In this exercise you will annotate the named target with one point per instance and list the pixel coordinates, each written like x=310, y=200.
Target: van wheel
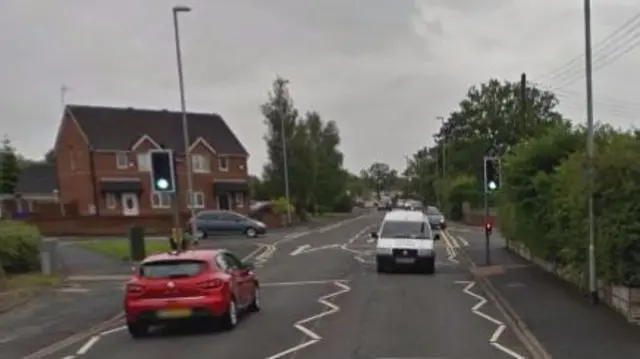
x=430, y=266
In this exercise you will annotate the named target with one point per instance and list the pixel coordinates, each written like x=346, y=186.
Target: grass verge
x=119, y=247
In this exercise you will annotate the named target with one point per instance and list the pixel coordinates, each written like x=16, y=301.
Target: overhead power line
x=615, y=45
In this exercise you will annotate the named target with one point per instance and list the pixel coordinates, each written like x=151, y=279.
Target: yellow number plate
x=174, y=313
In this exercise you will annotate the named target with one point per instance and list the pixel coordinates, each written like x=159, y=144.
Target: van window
x=172, y=269
x=405, y=229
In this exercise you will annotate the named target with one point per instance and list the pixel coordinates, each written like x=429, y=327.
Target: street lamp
x=590, y=149
x=185, y=128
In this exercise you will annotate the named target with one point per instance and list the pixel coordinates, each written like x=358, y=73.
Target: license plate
x=405, y=260
x=174, y=313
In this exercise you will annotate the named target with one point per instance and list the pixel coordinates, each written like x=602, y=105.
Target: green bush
x=544, y=201
x=344, y=204
x=19, y=247
x=457, y=190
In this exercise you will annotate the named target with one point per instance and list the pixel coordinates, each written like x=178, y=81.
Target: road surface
x=321, y=298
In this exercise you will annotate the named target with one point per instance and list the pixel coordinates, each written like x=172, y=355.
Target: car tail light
x=134, y=288
x=211, y=284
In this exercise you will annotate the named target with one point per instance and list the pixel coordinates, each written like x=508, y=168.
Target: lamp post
x=185, y=128
x=590, y=149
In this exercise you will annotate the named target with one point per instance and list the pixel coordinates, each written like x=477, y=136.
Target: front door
x=223, y=201
x=130, y=205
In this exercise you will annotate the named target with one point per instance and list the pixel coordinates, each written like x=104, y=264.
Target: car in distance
x=211, y=286
x=220, y=222
x=405, y=239
x=436, y=218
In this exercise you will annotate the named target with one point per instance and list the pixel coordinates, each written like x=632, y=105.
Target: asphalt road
x=322, y=298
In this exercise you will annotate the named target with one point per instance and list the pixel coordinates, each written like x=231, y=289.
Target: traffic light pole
x=487, y=238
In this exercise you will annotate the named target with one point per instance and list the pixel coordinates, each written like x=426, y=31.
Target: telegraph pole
x=523, y=103
x=590, y=151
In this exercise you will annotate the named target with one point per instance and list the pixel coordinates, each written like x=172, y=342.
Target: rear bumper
x=438, y=226
x=148, y=310
x=390, y=261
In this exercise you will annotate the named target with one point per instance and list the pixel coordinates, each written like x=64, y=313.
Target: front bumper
x=388, y=260
x=149, y=310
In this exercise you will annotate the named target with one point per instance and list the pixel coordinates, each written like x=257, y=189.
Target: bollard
x=49, y=256
x=137, y=250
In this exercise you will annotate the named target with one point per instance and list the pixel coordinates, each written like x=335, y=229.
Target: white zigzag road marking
x=501, y=327
x=450, y=246
x=300, y=325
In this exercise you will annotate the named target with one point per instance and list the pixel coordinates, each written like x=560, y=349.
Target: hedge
x=544, y=197
x=19, y=247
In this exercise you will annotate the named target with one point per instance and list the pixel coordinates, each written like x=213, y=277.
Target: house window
x=110, y=200
x=200, y=163
x=196, y=200
x=144, y=164
x=122, y=160
x=223, y=163
x=239, y=198
x=160, y=200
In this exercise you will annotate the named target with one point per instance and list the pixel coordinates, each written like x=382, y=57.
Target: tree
x=314, y=163
x=9, y=167
x=50, y=156
x=490, y=121
x=379, y=177
x=422, y=172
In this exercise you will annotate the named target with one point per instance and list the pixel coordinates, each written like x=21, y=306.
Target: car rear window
x=172, y=269
x=405, y=229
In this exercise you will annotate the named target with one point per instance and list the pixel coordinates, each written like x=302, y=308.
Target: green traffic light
x=492, y=185
x=162, y=183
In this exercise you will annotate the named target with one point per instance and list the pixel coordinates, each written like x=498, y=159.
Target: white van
x=405, y=239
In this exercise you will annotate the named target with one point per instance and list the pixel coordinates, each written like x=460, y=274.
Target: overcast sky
x=382, y=69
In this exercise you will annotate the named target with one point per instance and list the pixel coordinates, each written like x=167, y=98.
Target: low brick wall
x=624, y=300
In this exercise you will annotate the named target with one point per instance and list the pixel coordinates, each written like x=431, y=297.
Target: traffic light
x=488, y=228
x=162, y=172
x=492, y=173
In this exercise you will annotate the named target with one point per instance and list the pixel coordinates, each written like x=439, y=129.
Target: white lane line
x=300, y=249
x=464, y=241
x=501, y=327
x=69, y=357
x=85, y=348
x=307, y=282
x=114, y=330
x=300, y=325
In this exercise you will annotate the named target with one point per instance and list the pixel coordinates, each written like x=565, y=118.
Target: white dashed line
x=300, y=325
x=85, y=348
x=501, y=327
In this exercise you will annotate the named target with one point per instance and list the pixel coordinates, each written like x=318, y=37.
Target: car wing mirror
x=374, y=235
x=248, y=266
x=436, y=236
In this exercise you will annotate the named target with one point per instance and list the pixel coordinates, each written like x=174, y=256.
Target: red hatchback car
x=190, y=285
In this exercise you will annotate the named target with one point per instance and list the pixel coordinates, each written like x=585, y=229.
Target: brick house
x=102, y=163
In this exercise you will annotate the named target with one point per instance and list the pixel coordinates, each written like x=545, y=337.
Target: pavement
x=561, y=319
x=322, y=298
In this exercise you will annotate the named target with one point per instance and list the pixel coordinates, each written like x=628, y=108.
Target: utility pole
x=523, y=104
x=285, y=163
x=185, y=129
x=444, y=148
x=590, y=151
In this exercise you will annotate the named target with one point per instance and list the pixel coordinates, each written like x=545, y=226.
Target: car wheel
x=251, y=232
x=255, y=303
x=229, y=319
x=430, y=266
x=137, y=329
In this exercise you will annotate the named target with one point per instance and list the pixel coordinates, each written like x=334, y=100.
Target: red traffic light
x=488, y=225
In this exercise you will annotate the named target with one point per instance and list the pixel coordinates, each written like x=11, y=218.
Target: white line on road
x=114, y=330
x=300, y=249
x=306, y=282
x=69, y=357
x=85, y=348
x=464, y=241
x=501, y=326
x=300, y=325
x=450, y=248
